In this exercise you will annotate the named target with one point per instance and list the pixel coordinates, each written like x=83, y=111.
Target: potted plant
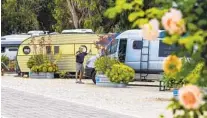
x=52, y=68
x=120, y=74
x=41, y=67
x=101, y=65
x=111, y=72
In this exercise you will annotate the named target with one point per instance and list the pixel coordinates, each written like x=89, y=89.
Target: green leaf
x=117, y=9
x=111, y=13
x=139, y=22
x=139, y=2
x=202, y=22
x=192, y=26
x=127, y=6
x=134, y=15
x=199, y=10
x=120, y=2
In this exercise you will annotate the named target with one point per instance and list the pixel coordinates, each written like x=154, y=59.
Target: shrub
x=50, y=69
x=31, y=62
x=104, y=63
x=5, y=59
x=35, y=69
x=120, y=73
x=43, y=63
x=36, y=60
x=40, y=63
x=63, y=74
x=44, y=68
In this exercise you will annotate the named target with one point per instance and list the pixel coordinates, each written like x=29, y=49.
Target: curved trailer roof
x=13, y=40
x=68, y=44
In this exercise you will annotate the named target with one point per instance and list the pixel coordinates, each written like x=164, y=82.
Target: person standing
x=80, y=55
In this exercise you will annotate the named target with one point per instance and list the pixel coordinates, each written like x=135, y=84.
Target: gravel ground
x=137, y=101
x=20, y=104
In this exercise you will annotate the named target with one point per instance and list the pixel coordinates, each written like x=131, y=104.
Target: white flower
x=150, y=31
x=172, y=22
x=190, y=97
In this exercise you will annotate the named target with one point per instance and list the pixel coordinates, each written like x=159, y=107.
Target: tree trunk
x=73, y=13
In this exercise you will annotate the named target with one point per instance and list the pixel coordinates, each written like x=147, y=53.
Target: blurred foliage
x=195, y=19
x=194, y=41
x=5, y=59
x=180, y=112
x=192, y=71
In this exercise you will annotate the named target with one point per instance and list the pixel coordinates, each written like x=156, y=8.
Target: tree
x=87, y=14
x=62, y=16
x=44, y=14
x=17, y=18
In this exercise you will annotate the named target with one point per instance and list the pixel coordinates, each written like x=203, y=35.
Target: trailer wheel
x=93, y=75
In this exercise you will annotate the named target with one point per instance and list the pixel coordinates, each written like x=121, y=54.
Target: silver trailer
x=10, y=44
x=145, y=57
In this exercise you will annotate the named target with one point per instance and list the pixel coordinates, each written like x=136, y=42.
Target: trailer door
x=122, y=50
x=112, y=49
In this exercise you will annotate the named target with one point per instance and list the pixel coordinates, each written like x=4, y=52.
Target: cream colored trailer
x=66, y=44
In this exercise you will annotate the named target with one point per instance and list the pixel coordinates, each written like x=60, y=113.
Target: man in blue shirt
x=80, y=55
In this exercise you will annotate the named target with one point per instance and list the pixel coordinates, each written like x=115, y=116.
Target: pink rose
x=150, y=31
x=172, y=22
x=190, y=97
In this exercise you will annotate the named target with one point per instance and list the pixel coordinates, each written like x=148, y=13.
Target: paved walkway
x=137, y=101
x=19, y=104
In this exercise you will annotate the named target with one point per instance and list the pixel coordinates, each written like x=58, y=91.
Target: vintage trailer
x=10, y=44
x=66, y=44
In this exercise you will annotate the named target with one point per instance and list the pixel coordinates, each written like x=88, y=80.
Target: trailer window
x=48, y=49
x=2, y=49
x=137, y=45
x=165, y=49
x=56, y=49
x=13, y=49
x=113, y=46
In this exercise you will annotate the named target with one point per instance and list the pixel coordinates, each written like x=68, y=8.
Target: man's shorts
x=79, y=67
